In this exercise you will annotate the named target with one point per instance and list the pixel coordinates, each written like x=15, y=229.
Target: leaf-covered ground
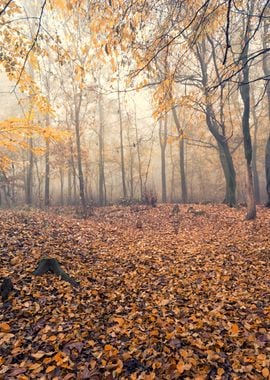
x=153, y=302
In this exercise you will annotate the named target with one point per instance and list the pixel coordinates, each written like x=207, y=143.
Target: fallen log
x=52, y=266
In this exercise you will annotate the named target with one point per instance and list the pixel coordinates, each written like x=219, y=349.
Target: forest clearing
x=177, y=296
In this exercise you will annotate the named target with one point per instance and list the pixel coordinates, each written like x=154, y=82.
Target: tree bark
x=266, y=69
x=47, y=169
x=163, y=144
x=139, y=156
x=122, y=156
x=229, y=172
x=245, y=94
x=181, y=157
x=29, y=174
x=101, y=176
x=131, y=163
x=219, y=135
x=255, y=173
x=79, y=154
x=61, y=186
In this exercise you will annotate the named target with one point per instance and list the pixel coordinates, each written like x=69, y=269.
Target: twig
x=32, y=46
x=5, y=7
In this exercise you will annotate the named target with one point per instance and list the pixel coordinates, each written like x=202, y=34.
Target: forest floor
x=161, y=296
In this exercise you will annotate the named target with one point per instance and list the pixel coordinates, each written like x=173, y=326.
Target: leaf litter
x=155, y=302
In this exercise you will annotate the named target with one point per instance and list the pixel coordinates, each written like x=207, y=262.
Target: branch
x=205, y=4
x=5, y=7
x=33, y=44
x=250, y=58
x=228, y=45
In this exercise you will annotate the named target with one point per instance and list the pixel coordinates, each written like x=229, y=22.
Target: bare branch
x=5, y=7
x=168, y=43
x=228, y=45
x=33, y=44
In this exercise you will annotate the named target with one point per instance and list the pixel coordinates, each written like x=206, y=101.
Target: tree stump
x=175, y=210
x=52, y=266
x=6, y=288
x=138, y=223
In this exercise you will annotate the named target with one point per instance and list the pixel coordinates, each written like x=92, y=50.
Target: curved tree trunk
x=225, y=158
x=245, y=94
x=229, y=172
x=218, y=132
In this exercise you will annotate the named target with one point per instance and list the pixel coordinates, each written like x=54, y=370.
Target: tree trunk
x=229, y=172
x=181, y=157
x=13, y=184
x=39, y=184
x=47, y=169
x=163, y=144
x=256, y=181
x=131, y=163
x=101, y=176
x=172, y=189
x=183, y=169
x=267, y=170
x=29, y=174
x=218, y=133
x=69, y=184
x=79, y=154
x=139, y=156
x=123, y=173
x=245, y=94
x=61, y=186
x=266, y=69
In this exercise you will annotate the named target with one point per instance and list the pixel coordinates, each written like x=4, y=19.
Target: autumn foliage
x=153, y=303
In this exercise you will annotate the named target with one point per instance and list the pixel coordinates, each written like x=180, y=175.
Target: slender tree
x=181, y=156
x=266, y=69
x=245, y=94
x=163, y=138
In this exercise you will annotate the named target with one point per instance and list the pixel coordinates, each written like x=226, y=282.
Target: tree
x=216, y=128
x=163, y=131
x=266, y=69
x=122, y=156
x=181, y=156
x=245, y=94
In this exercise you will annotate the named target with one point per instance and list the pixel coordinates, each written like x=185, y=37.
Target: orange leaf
x=220, y=371
x=180, y=367
x=235, y=329
x=108, y=347
x=265, y=372
x=50, y=368
x=38, y=355
x=4, y=327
